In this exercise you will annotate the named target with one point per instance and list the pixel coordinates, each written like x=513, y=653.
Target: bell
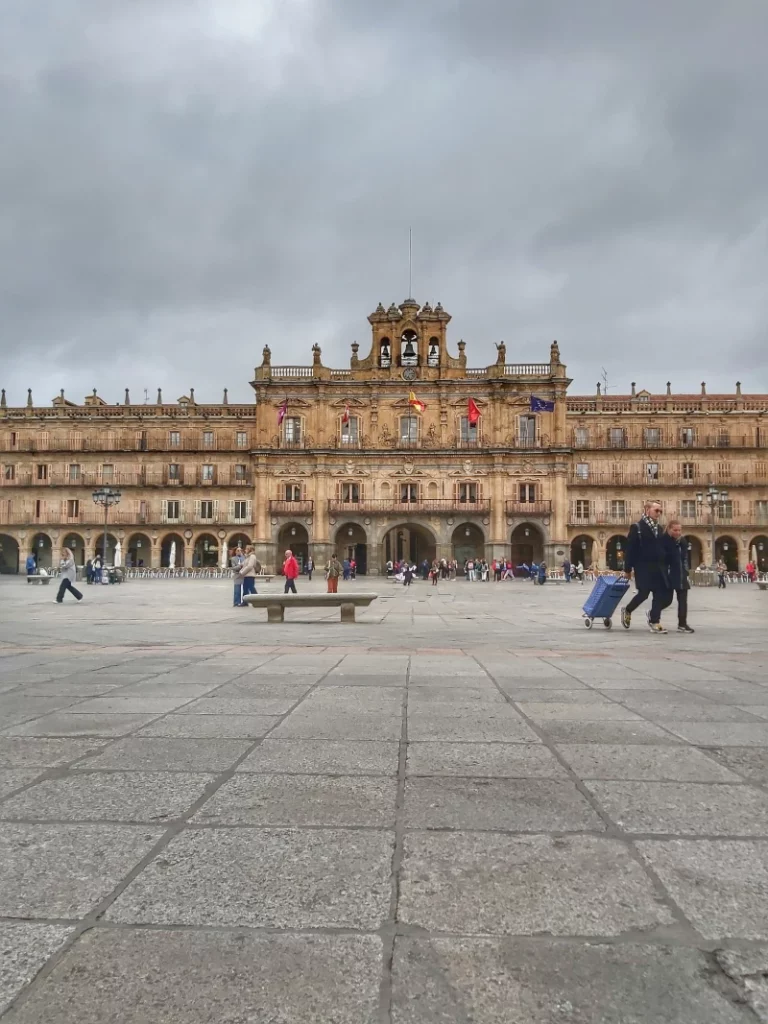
x=385, y=349
x=433, y=350
x=409, y=352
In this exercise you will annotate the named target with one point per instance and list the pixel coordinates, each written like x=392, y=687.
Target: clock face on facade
x=409, y=374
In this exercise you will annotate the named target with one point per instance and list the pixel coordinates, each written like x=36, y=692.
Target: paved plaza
x=465, y=808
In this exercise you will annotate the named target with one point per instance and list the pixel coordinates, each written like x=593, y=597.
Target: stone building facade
x=341, y=460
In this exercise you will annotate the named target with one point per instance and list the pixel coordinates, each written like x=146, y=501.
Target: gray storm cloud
x=181, y=182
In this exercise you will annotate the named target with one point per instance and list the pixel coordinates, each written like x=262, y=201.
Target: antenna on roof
x=410, y=264
x=146, y=396
x=606, y=385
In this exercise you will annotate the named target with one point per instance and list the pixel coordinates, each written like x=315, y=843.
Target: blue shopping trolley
x=604, y=600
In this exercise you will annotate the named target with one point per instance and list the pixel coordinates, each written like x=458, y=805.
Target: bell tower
x=410, y=340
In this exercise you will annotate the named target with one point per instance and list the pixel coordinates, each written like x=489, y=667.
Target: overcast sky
x=182, y=181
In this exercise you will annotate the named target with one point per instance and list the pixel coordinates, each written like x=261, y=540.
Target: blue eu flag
x=541, y=404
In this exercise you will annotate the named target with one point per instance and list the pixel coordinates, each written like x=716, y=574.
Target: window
x=9, y=472
x=206, y=510
x=74, y=473
x=42, y=473
x=468, y=431
x=618, y=508
x=409, y=493
x=241, y=510
x=208, y=439
x=723, y=439
x=527, y=428
x=617, y=437
x=723, y=471
x=582, y=470
x=293, y=492
x=14, y=439
x=174, y=472
x=107, y=472
x=725, y=510
x=687, y=437
x=39, y=509
x=761, y=511
x=581, y=437
x=292, y=430
x=350, y=431
x=173, y=513
x=651, y=437
x=527, y=492
x=174, y=439
x=689, y=471
x=141, y=440
x=241, y=473
x=207, y=473
x=688, y=508
x=467, y=493
x=350, y=492
x=409, y=429
x=652, y=471
x=241, y=439
x=73, y=508
x=582, y=508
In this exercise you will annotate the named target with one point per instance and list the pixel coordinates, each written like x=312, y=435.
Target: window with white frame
x=527, y=493
x=581, y=506
x=350, y=431
x=350, y=492
x=9, y=472
x=761, y=511
x=209, y=439
x=409, y=428
x=241, y=512
x=468, y=493
x=617, y=437
x=73, y=508
x=292, y=430
x=208, y=473
x=468, y=431
x=409, y=493
x=241, y=439
x=581, y=437
x=651, y=471
x=688, y=471
x=526, y=427
x=241, y=473
x=293, y=492
x=688, y=508
x=172, y=511
x=174, y=472
x=107, y=472
x=618, y=508
x=206, y=510
x=74, y=473
x=652, y=437
x=687, y=437
x=174, y=439
x=582, y=470
x=42, y=473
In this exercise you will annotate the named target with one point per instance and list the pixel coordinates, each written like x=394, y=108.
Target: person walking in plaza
x=68, y=576
x=310, y=567
x=407, y=576
x=722, y=571
x=567, y=570
x=31, y=564
x=235, y=564
x=290, y=571
x=647, y=557
x=247, y=573
x=332, y=572
x=677, y=571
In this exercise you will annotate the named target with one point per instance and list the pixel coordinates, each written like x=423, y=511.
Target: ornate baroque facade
x=352, y=467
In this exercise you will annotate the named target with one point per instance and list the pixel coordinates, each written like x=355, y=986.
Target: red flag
x=473, y=412
x=345, y=417
x=282, y=411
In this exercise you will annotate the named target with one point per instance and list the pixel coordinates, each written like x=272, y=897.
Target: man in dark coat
x=646, y=555
x=677, y=571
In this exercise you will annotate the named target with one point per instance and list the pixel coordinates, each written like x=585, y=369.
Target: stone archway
x=411, y=541
x=76, y=545
x=582, y=550
x=9, y=554
x=527, y=543
x=98, y=548
x=294, y=537
x=205, y=554
x=695, y=551
x=138, y=551
x=167, y=548
x=727, y=549
x=758, y=552
x=42, y=548
x=467, y=541
x=614, y=553
x=351, y=541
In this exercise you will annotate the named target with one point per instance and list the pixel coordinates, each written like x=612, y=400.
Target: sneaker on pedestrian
x=685, y=629
x=656, y=627
x=626, y=618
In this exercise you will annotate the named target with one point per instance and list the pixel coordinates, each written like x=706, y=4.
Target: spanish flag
x=414, y=402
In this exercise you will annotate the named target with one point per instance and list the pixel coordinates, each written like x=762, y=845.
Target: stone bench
x=36, y=578
x=277, y=603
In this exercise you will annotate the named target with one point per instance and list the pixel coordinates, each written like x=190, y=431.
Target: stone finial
x=266, y=356
x=669, y=387
x=703, y=387
x=634, y=389
x=62, y=394
x=462, y=354
x=225, y=399
x=192, y=396
x=354, y=360
x=554, y=353
x=380, y=308
x=2, y=399
x=159, y=396
x=316, y=353
x=599, y=389
x=501, y=353
x=738, y=387
x=30, y=403
x=127, y=396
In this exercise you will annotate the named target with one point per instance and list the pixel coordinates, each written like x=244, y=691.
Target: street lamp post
x=106, y=497
x=715, y=500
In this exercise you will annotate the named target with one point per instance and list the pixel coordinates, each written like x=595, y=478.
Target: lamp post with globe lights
x=715, y=499
x=106, y=497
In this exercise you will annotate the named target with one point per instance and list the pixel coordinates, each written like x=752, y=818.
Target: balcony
x=386, y=506
x=638, y=440
x=528, y=508
x=291, y=508
x=137, y=476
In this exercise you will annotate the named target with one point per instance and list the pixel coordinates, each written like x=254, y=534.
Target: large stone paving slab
x=514, y=981
x=182, y=977
x=656, y=763
x=73, y=724
x=499, y=760
x=323, y=757
x=14, y=778
x=24, y=948
x=171, y=754
x=269, y=878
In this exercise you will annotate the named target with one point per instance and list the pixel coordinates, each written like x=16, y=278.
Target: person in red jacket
x=290, y=571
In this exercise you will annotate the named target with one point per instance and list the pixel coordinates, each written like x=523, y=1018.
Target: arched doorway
x=138, y=552
x=76, y=545
x=727, y=549
x=410, y=541
x=467, y=541
x=527, y=544
x=293, y=536
x=758, y=552
x=9, y=554
x=205, y=554
x=42, y=548
x=99, y=548
x=172, y=543
x=614, y=553
x=352, y=542
x=695, y=552
x=582, y=548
